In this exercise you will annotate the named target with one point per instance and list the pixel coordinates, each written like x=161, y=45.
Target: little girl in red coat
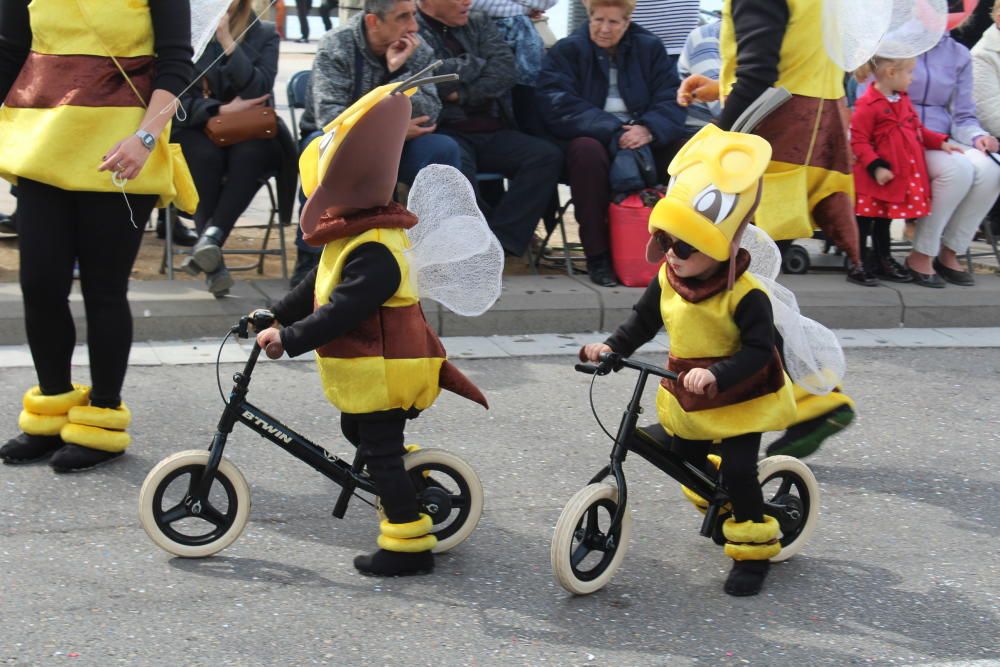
x=890, y=173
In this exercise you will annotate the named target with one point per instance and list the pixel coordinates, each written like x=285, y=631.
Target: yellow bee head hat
x=355, y=163
x=715, y=186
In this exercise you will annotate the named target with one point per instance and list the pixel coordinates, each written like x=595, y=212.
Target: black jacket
x=573, y=87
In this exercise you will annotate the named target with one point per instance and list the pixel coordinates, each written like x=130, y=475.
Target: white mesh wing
x=205, y=17
x=454, y=257
x=853, y=29
x=813, y=356
x=917, y=25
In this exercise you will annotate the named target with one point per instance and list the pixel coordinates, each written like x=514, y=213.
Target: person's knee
x=587, y=152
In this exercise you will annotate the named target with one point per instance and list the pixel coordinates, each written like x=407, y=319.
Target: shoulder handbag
x=233, y=128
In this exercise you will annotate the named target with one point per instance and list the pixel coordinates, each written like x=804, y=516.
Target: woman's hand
x=240, y=104
x=593, y=351
x=635, y=136
x=697, y=87
x=951, y=148
x=126, y=158
x=699, y=381
x=883, y=175
x=987, y=144
x=223, y=36
x=270, y=341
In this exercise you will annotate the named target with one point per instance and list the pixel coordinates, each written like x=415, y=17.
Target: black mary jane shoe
x=74, y=458
x=26, y=448
x=887, y=268
x=859, y=275
x=963, y=278
x=925, y=279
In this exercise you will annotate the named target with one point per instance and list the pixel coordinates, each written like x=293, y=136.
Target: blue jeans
x=417, y=154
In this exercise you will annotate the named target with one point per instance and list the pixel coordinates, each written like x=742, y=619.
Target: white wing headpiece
x=454, y=257
x=813, y=356
x=205, y=17
x=856, y=30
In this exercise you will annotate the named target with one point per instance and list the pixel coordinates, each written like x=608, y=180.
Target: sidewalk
x=556, y=304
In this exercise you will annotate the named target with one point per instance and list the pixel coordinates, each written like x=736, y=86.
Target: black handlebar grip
x=589, y=369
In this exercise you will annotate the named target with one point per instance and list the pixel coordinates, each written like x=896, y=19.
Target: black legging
x=739, y=467
x=227, y=178
x=878, y=229
x=382, y=445
x=55, y=228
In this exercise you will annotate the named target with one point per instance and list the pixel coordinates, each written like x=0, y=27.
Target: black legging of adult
x=227, y=177
x=57, y=228
x=325, y=7
x=302, y=8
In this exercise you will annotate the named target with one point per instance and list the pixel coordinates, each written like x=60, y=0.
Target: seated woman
x=965, y=184
x=986, y=88
x=227, y=177
x=609, y=81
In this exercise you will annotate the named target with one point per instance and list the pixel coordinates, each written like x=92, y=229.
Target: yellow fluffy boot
x=41, y=420
x=751, y=545
x=404, y=549
x=93, y=436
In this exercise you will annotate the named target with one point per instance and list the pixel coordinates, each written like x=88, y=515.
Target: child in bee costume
x=379, y=361
x=720, y=317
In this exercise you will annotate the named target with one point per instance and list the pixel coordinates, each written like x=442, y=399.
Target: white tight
x=963, y=188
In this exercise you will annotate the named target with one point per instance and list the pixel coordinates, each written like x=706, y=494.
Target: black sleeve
x=370, y=276
x=172, y=44
x=15, y=41
x=755, y=321
x=298, y=303
x=644, y=322
x=252, y=72
x=760, y=28
x=874, y=165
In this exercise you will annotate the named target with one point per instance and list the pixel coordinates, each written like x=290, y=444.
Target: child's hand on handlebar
x=270, y=341
x=700, y=381
x=593, y=351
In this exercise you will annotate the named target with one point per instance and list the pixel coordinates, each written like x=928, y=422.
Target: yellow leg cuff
x=57, y=404
x=752, y=551
x=35, y=424
x=411, y=448
x=95, y=438
x=116, y=419
x=414, y=545
x=750, y=531
x=700, y=503
x=404, y=531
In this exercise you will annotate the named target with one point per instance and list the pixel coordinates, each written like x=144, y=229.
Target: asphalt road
x=903, y=568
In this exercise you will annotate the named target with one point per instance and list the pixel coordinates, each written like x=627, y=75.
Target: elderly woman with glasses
x=610, y=83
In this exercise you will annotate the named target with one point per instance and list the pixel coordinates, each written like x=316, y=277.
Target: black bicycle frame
x=238, y=410
x=661, y=457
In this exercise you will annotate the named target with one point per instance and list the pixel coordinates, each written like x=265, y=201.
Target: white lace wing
x=853, y=30
x=205, y=17
x=813, y=356
x=454, y=257
x=915, y=28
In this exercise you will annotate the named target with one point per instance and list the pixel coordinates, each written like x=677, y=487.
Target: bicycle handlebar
x=258, y=320
x=612, y=361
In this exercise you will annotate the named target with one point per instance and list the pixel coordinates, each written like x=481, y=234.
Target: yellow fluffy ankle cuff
x=116, y=419
x=94, y=437
x=412, y=546
x=34, y=424
x=750, y=531
x=695, y=499
x=404, y=531
x=57, y=404
x=752, y=551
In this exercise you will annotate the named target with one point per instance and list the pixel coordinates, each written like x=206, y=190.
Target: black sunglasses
x=681, y=249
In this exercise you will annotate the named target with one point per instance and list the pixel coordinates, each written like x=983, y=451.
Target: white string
x=179, y=110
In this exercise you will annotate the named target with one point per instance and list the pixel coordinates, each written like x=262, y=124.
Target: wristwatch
x=147, y=139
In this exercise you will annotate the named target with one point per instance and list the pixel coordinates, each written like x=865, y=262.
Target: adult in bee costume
x=83, y=84
x=379, y=361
